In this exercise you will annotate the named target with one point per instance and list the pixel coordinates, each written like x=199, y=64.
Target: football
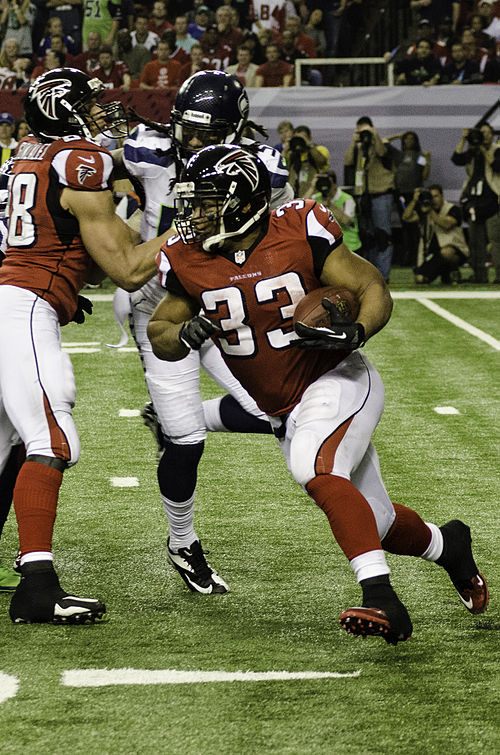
x=311, y=312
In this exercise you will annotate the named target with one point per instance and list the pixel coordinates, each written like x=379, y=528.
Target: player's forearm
x=164, y=338
x=375, y=307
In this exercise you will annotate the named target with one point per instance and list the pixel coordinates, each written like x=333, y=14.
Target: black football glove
x=83, y=306
x=342, y=333
x=195, y=332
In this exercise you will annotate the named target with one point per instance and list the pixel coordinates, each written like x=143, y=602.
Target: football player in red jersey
x=62, y=231
x=247, y=269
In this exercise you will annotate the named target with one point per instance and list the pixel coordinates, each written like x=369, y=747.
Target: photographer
x=304, y=159
x=442, y=246
x=480, y=197
x=325, y=190
x=371, y=163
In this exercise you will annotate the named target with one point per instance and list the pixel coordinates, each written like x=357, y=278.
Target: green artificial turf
x=289, y=581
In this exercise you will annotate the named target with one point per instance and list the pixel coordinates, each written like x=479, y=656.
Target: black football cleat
x=458, y=561
x=39, y=599
x=394, y=625
x=195, y=570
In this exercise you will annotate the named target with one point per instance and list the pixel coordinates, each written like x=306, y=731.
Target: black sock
x=238, y=420
x=178, y=470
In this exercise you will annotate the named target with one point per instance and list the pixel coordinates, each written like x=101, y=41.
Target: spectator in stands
x=215, y=52
x=275, y=72
x=305, y=160
x=472, y=51
x=229, y=36
x=285, y=133
x=303, y=42
x=477, y=24
x=442, y=245
x=141, y=34
x=14, y=68
x=102, y=16
x=244, y=70
x=54, y=28
x=135, y=58
x=16, y=19
x=251, y=40
x=161, y=73
x=7, y=141
x=196, y=64
x=480, y=196
x=325, y=190
x=112, y=73
x=461, y=70
x=425, y=31
x=177, y=53
x=70, y=13
x=491, y=22
x=269, y=14
x=265, y=37
x=52, y=59
x=370, y=162
x=412, y=168
x=158, y=21
x=491, y=73
x=21, y=129
x=201, y=20
x=314, y=29
x=88, y=60
x=290, y=53
x=422, y=69
x=184, y=40
x=435, y=10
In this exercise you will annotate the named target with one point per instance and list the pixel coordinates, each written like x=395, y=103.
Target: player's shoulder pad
x=82, y=164
x=274, y=162
x=309, y=215
x=146, y=150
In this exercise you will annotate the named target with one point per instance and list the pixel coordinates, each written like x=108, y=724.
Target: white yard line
x=8, y=686
x=459, y=323
x=124, y=482
x=107, y=677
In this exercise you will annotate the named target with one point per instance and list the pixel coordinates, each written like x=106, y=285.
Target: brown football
x=311, y=312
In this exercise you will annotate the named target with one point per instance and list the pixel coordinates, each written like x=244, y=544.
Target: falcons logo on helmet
x=47, y=95
x=239, y=162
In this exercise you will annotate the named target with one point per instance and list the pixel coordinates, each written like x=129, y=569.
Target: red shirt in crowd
x=273, y=73
x=115, y=77
x=161, y=75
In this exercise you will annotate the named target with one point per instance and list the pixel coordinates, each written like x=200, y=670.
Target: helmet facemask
x=231, y=216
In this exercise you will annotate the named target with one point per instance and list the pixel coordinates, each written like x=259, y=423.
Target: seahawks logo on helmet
x=48, y=93
x=236, y=162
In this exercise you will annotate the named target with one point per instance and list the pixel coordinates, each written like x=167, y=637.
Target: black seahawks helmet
x=212, y=103
x=57, y=104
x=236, y=179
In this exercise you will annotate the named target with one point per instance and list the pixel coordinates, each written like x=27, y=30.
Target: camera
x=298, y=144
x=323, y=184
x=365, y=138
x=424, y=198
x=475, y=137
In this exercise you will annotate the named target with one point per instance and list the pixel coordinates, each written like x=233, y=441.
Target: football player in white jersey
x=211, y=107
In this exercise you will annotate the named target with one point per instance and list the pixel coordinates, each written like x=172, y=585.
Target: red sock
x=35, y=503
x=409, y=534
x=351, y=518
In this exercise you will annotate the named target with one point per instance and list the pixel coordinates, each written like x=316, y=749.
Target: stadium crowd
x=159, y=44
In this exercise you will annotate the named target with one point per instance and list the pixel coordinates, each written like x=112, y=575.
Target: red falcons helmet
x=236, y=180
x=58, y=102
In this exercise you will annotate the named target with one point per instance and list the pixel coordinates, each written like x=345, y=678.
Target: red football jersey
x=252, y=294
x=45, y=253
